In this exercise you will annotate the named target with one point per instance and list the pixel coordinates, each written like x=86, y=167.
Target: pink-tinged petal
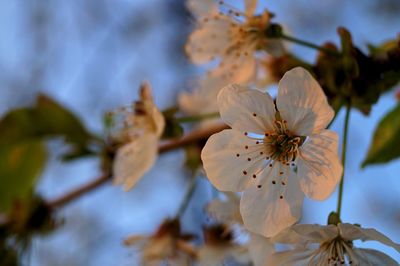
x=296, y=257
x=226, y=211
x=260, y=248
x=202, y=8
x=306, y=234
x=371, y=257
x=134, y=159
x=246, y=110
x=319, y=168
x=240, y=69
x=270, y=207
x=302, y=103
x=352, y=232
x=226, y=160
x=209, y=40
x=250, y=7
x=314, y=233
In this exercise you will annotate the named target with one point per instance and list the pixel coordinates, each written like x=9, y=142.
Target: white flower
x=166, y=245
x=235, y=38
x=140, y=134
x=316, y=245
x=274, y=154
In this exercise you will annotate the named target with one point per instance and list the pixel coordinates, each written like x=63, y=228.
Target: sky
x=91, y=55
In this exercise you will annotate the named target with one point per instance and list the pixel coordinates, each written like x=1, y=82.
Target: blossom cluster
x=276, y=152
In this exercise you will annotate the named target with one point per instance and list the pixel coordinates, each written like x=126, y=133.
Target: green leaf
x=46, y=119
x=386, y=142
x=20, y=165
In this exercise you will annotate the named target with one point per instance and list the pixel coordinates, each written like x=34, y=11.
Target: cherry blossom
x=274, y=154
x=167, y=244
x=140, y=133
x=234, y=37
x=316, y=245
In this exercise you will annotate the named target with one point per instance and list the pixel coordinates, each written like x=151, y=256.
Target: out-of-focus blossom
x=236, y=38
x=220, y=246
x=203, y=100
x=226, y=211
x=166, y=245
x=274, y=153
x=316, y=245
x=202, y=8
x=139, y=134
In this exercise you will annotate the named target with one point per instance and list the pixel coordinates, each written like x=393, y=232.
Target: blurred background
x=91, y=56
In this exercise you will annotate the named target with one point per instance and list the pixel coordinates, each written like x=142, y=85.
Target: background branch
x=166, y=146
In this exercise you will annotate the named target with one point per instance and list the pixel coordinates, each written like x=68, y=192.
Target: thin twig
x=193, y=137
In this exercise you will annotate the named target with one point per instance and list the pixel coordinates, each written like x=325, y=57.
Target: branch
x=192, y=137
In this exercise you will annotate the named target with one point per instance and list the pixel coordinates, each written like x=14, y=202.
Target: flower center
x=336, y=252
x=280, y=144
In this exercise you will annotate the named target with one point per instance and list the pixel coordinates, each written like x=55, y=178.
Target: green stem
x=188, y=196
x=344, y=144
x=196, y=118
x=308, y=44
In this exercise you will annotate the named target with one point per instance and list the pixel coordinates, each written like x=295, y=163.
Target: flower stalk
x=190, y=138
x=308, y=44
x=344, y=145
x=188, y=196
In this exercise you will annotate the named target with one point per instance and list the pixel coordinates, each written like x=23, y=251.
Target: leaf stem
x=309, y=44
x=196, y=118
x=189, y=193
x=344, y=144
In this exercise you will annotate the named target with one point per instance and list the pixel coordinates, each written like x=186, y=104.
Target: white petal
x=319, y=168
x=304, y=234
x=225, y=170
x=246, y=110
x=159, y=121
x=215, y=255
x=209, y=40
x=371, y=257
x=225, y=211
x=302, y=103
x=250, y=7
x=211, y=256
x=201, y=8
x=134, y=159
x=297, y=257
x=352, y=232
x=314, y=233
x=265, y=212
x=195, y=104
x=260, y=248
x=240, y=69
x=203, y=99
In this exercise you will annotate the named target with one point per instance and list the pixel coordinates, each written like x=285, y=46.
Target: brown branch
x=192, y=137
